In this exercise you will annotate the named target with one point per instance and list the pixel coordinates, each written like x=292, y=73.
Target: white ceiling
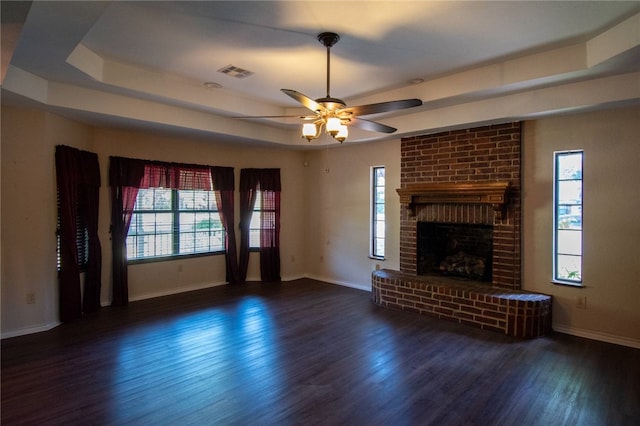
x=144, y=63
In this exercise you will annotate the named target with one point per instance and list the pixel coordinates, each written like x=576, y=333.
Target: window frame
x=557, y=227
x=175, y=211
x=374, y=238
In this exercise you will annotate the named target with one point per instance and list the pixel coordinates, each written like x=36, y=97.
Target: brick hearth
x=511, y=312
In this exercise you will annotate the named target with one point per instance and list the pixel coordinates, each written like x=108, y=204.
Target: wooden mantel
x=494, y=193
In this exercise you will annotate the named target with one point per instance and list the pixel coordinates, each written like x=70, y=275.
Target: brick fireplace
x=461, y=159
x=463, y=178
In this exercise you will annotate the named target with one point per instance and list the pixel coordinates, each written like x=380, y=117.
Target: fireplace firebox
x=463, y=251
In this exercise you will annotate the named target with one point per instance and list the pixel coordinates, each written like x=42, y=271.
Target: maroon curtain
x=224, y=186
x=268, y=182
x=93, y=273
x=127, y=175
x=270, y=236
x=158, y=174
x=78, y=180
x=248, y=186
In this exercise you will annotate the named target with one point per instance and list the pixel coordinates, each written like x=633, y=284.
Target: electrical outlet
x=31, y=298
x=581, y=302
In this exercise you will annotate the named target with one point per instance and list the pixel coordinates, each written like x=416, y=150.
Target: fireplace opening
x=463, y=251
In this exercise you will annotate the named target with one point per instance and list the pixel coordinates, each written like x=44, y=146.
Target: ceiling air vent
x=233, y=71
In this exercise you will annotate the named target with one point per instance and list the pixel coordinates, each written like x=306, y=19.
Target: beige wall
x=29, y=214
x=338, y=211
x=611, y=270
x=325, y=215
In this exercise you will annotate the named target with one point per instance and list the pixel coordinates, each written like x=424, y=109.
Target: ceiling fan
x=333, y=114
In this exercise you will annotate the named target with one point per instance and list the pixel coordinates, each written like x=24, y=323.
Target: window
x=254, y=225
x=567, y=241
x=377, y=212
x=263, y=217
x=171, y=222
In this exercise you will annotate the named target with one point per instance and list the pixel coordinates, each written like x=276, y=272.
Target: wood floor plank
x=306, y=352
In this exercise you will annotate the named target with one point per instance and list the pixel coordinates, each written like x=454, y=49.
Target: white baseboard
x=342, y=283
x=293, y=277
x=595, y=335
x=29, y=330
x=209, y=285
x=175, y=291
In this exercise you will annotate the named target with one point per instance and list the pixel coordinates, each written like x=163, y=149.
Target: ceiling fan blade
x=382, y=107
x=371, y=125
x=304, y=100
x=304, y=117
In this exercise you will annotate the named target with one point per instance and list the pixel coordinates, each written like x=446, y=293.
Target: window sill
x=174, y=257
x=377, y=258
x=568, y=283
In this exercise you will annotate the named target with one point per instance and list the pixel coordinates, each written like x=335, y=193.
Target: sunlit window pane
x=377, y=211
x=570, y=242
x=255, y=221
x=169, y=222
x=196, y=200
x=569, y=217
x=379, y=247
x=161, y=199
x=570, y=192
x=164, y=223
x=569, y=268
x=570, y=166
x=568, y=226
x=254, y=224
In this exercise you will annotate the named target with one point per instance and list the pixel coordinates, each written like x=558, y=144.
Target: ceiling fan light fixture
x=342, y=134
x=333, y=126
x=310, y=131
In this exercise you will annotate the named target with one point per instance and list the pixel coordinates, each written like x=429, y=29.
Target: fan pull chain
x=326, y=160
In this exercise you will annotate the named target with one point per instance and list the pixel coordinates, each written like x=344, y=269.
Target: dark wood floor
x=306, y=352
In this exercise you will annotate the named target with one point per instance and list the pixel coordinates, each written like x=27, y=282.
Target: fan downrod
x=328, y=39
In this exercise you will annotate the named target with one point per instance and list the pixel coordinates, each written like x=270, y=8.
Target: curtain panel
x=78, y=183
x=223, y=182
x=247, y=203
x=267, y=181
x=127, y=175
x=125, y=178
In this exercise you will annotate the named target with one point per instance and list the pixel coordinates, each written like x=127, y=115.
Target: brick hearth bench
x=511, y=312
